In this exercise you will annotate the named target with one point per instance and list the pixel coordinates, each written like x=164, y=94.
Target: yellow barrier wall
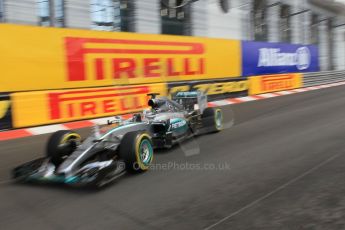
x=272, y=83
x=36, y=58
x=46, y=107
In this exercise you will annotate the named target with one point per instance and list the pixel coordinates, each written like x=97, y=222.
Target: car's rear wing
x=191, y=100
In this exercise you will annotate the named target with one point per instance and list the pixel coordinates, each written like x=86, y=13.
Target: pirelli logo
x=100, y=59
x=276, y=83
x=272, y=83
x=94, y=102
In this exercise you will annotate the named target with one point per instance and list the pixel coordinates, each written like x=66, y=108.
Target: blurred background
x=285, y=153
x=320, y=22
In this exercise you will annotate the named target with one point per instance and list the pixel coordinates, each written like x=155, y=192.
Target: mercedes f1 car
x=122, y=145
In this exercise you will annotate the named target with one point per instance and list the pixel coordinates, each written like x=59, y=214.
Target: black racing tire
x=61, y=144
x=212, y=120
x=136, y=149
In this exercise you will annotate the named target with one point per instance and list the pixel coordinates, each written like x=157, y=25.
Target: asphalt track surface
x=281, y=166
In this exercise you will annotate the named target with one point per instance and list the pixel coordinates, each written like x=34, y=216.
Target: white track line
x=285, y=92
x=300, y=90
x=268, y=95
x=46, y=129
x=221, y=103
x=245, y=99
x=273, y=192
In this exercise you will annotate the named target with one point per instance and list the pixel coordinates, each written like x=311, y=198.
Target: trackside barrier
x=273, y=83
x=321, y=78
x=57, y=106
x=279, y=82
x=215, y=89
x=25, y=109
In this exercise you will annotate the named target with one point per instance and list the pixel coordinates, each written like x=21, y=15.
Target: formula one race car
x=122, y=145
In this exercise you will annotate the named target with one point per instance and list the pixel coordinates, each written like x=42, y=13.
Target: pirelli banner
x=215, y=89
x=273, y=83
x=47, y=107
x=36, y=58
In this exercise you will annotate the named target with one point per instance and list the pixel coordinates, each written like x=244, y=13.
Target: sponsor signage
x=55, y=58
x=45, y=107
x=5, y=112
x=272, y=58
x=215, y=89
x=272, y=83
x=192, y=61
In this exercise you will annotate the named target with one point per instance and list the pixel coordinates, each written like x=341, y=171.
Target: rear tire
x=61, y=144
x=212, y=120
x=136, y=150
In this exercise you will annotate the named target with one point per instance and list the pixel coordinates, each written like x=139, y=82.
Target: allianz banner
x=260, y=58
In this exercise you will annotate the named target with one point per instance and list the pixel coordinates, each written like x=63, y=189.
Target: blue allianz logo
x=303, y=58
x=271, y=57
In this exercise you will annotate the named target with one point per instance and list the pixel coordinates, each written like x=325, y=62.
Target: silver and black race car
x=122, y=145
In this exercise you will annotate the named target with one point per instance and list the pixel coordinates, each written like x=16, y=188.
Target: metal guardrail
x=321, y=78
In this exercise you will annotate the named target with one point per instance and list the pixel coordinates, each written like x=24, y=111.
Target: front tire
x=136, y=150
x=61, y=144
